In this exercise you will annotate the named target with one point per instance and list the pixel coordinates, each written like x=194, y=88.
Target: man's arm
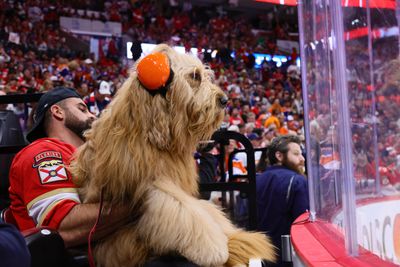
x=76, y=225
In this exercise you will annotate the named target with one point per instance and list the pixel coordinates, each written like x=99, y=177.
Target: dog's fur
x=140, y=152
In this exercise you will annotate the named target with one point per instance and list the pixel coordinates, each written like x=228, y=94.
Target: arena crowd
x=46, y=60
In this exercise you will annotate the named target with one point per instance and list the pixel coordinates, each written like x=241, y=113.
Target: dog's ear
x=158, y=125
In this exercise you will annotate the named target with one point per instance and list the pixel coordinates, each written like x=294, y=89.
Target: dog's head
x=187, y=108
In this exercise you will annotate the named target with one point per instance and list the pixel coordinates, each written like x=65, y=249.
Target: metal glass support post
x=306, y=109
x=344, y=127
x=371, y=75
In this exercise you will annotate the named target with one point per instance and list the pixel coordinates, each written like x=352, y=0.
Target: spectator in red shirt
x=235, y=118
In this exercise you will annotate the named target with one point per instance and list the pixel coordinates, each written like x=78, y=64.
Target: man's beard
x=77, y=126
x=290, y=165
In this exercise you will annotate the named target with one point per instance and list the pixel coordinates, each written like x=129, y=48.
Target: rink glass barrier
x=351, y=90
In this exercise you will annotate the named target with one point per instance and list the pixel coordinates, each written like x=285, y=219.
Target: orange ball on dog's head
x=154, y=71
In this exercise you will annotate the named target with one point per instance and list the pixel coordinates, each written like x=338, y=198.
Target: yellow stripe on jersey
x=49, y=208
x=51, y=193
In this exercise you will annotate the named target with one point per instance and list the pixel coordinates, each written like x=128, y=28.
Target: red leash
x=90, y=255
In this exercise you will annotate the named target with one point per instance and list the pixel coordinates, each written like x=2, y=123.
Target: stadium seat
x=10, y=135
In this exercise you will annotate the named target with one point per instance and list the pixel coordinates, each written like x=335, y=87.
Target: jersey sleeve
x=50, y=208
x=39, y=177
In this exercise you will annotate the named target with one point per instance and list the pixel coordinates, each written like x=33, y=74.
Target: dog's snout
x=223, y=100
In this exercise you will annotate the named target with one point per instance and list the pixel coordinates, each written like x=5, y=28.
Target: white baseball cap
x=104, y=88
x=88, y=61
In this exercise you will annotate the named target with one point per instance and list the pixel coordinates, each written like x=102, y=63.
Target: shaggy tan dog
x=140, y=152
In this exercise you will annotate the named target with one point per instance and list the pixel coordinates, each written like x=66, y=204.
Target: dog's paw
x=211, y=252
x=244, y=246
x=215, y=257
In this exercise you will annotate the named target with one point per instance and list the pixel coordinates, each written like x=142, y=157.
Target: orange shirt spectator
x=283, y=131
x=273, y=119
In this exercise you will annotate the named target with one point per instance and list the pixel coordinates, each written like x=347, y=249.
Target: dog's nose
x=223, y=100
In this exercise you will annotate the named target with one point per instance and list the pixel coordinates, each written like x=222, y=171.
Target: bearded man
x=282, y=192
x=41, y=188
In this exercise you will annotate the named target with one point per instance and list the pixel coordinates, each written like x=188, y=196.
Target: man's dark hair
x=280, y=144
